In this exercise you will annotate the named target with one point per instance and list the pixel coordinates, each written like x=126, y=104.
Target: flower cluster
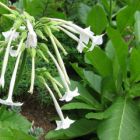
x=25, y=33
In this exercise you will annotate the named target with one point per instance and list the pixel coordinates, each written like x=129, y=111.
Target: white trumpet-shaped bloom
x=7, y=35
x=85, y=35
x=69, y=95
x=32, y=37
x=97, y=40
x=9, y=101
x=6, y=57
x=64, y=124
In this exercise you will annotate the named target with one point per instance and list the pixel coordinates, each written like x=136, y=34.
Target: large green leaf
x=121, y=48
x=94, y=80
x=83, y=12
x=80, y=71
x=123, y=123
x=79, y=128
x=77, y=105
x=135, y=65
x=97, y=19
x=100, y=61
x=14, y=134
x=123, y=20
x=13, y=120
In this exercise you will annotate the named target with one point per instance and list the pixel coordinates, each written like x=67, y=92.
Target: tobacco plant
x=28, y=36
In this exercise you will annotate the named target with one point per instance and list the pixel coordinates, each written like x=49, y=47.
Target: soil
x=41, y=116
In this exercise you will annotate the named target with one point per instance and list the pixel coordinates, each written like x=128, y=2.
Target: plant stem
x=5, y=7
x=21, y=68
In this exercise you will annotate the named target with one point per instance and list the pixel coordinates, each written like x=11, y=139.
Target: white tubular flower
x=85, y=34
x=59, y=70
x=61, y=63
x=69, y=95
x=5, y=60
x=32, y=76
x=65, y=122
x=32, y=37
x=9, y=33
x=81, y=46
x=14, y=53
x=97, y=40
x=9, y=101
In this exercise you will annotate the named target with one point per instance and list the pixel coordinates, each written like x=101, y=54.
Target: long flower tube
x=6, y=57
x=85, y=34
x=59, y=56
x=9, y=100
x=69, y=95
x=65, y=122
x=33, y=72
x=80, y=46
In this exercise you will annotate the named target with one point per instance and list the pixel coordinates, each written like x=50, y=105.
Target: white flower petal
x=69, y=95
x=8, y=34
x=12, y=52
x=10, y=103
x=98, y=40
x=80, y=47
x=83, y=35
x=64, y=124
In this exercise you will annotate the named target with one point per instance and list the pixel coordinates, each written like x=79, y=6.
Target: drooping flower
x=97, y=40
x=6, y=57
x=69, y=95
x=7, y=35
x=31, y=37
x=85, y=35
x=32, y=76
x=64, y=124
x=9, y=100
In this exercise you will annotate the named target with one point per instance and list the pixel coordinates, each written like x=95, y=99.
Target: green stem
x=21, y=68
x=5, y=7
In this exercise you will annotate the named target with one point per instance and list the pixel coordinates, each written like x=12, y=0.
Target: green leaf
x=108, y=89
x=135, y=65
x=123, y=123
x=13, y=134
x=77, y=105
x=79, y=128
x=13, y=120
x=97, y=19
x=106, y=5
x=109, y=49
x=79, y=70
x=100, y=61
x=94, y=80
x=134, y=91
x=123, y=20
x=83, y=12
x=98, y=116
x=85, y=96
x=137, y=27
x=121, y=48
